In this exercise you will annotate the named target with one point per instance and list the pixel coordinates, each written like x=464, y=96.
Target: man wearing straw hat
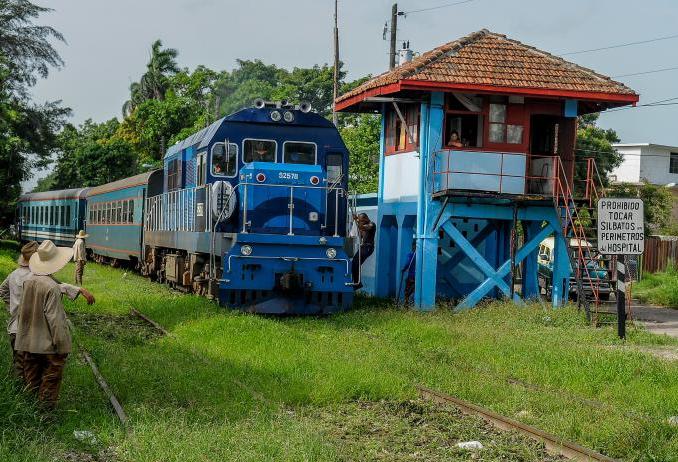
x=11, y=290
x=42, y=330
x=79, y=255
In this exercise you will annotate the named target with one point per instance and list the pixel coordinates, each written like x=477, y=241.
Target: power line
x=629, y=154
x=661, y=102
x=646, y=72
x=405, y=13
x=640, y=42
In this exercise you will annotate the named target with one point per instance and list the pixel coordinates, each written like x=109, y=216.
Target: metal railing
x=495, y=172
x=180, y=210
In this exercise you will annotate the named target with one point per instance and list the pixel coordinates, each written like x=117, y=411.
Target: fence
x=660, y=253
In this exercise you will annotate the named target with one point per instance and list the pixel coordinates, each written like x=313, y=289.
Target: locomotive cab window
x=295, y=152
x=224, y=161
x=259, y=151
x=335, y=163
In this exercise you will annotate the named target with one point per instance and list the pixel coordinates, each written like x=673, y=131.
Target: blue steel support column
x=561, y=268
x=530, y=280
x=432, y=117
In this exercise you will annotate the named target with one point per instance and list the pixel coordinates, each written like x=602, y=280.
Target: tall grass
x=659, y=288
x=225, y=385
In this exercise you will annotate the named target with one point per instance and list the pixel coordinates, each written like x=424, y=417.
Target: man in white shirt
x=80, y=255
x=11, y=291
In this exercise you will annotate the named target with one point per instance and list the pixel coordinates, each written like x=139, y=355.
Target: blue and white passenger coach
x=254, y=212
x=54, y=215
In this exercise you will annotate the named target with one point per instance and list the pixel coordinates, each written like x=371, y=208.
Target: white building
x=656, y=163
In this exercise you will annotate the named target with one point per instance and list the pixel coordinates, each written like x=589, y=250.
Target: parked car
x=596, y=276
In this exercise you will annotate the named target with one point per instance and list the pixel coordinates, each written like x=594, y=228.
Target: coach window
x=259, y=151
x=131, y=211
x=295, y=152
x=125, y=208
x=224, y=160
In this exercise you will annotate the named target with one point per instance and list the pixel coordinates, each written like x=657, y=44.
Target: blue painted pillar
x=382, y=248
x=530, y=281
x=432, y=118
x=561, y=268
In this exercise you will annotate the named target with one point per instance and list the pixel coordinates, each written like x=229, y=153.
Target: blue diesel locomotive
x=251, y=210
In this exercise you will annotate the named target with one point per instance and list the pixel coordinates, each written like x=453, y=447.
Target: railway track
x=553, y=443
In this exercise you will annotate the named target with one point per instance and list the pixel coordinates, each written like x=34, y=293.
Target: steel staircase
x=579, y=222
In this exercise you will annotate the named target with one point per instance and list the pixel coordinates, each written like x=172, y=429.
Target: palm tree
x=155, y=81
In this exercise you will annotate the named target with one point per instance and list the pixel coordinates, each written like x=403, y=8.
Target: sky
x=108, y=43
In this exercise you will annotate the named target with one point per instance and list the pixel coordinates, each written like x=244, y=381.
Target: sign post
x=621, y=231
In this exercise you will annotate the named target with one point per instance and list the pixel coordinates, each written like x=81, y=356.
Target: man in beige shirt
x=42, y=329
x=80, y=256
x=11, y=290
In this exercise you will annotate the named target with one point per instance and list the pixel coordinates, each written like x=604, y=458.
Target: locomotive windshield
x=259, y=151
x=299, y=153
x=224, y=162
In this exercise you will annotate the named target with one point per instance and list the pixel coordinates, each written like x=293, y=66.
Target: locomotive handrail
x=214, y=230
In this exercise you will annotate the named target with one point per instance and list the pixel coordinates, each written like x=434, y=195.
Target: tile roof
x=485, y=59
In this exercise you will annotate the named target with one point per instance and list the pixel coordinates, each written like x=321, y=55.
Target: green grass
x=659, y=288
x=233, y=386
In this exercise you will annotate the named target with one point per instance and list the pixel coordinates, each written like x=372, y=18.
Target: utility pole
x=394, y=28
x=335, y=118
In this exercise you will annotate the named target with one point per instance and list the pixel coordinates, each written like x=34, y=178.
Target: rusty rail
x=553, y=443
x=157, y=326
x=120, y=412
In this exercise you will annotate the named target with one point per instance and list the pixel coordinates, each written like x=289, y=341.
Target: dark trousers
x=409, y=288
x=79, y=270
x=43, y=374
x=17, y=359
x=358, y=259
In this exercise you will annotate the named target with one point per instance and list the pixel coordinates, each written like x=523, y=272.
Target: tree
x=154, y=82
x=361, y=136
x=25, y=46
x=657, y=202
x=27, y=131
x=595, y=142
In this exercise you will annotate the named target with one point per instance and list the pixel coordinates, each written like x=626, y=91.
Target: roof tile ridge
x=565, y=62
x=442, y=51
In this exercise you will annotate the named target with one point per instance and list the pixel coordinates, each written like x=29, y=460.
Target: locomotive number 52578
x=288, y=176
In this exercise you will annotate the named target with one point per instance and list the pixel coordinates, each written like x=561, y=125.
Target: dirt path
x=656, y=319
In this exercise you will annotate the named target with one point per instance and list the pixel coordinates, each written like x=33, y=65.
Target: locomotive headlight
x=276, y=116
x=331, y=252
x=289, y=117
x=246, y=250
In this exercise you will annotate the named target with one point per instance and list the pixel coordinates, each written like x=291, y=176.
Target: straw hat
x=26, y=252
x=81, y=235
x=49, y=259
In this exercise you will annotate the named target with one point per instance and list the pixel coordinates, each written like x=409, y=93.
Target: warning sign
x=621, y=226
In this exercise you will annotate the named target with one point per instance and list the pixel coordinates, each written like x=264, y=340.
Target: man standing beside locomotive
x=43, y=334
x=11, y=291
x=80, y=256
x=366, y=230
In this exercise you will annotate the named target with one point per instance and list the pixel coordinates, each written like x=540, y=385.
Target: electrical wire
x=405, y=13
x=646, y=72
x=621, y=45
